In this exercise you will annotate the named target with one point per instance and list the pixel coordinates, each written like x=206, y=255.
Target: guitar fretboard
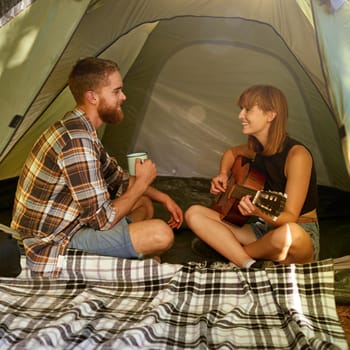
x=240, y=191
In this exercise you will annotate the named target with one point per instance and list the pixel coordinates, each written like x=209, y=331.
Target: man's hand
x=145, y=170
x=176, y=214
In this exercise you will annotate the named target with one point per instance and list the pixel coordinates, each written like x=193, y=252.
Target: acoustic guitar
x=246, y=180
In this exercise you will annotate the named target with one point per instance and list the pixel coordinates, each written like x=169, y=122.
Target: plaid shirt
x=65, y=184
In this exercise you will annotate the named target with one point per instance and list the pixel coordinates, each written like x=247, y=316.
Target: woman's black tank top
x=273, y=168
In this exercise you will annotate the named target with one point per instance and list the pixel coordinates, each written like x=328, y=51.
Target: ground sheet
x=109, y=303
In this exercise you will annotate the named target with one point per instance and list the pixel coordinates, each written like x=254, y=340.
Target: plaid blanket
x=109, y=303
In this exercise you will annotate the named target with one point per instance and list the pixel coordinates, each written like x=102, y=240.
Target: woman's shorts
x=114, y=242
x=260, y=228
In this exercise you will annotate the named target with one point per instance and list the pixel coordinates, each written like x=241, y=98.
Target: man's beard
x=110, y=115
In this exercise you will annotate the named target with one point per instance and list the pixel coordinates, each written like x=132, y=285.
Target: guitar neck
x=240, y=191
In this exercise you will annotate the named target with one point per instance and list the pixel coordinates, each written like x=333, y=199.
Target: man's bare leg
x=142, y=210
x=150, y=237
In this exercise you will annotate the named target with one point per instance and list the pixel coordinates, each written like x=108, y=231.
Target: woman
x=292, y=237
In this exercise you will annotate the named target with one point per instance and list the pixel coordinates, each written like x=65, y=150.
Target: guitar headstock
x=270, y=202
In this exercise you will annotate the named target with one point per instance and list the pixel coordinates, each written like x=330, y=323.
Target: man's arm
x=176, y=214
x=138, y=186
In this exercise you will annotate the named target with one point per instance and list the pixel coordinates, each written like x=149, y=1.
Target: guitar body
x=243, y=174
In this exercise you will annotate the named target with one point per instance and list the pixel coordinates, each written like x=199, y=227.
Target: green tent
x=184, y=63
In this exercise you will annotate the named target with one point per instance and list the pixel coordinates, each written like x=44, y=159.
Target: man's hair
x=90, y=73
x=269, y=99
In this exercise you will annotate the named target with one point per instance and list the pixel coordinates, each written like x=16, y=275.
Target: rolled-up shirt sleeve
x=83, y=163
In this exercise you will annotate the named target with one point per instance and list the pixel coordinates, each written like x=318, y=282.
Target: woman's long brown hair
x=269, y=99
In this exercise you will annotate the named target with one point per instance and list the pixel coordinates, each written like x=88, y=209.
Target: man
x=72, y=194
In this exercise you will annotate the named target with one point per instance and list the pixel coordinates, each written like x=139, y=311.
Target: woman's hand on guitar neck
x=247, y=208
x=218, y=184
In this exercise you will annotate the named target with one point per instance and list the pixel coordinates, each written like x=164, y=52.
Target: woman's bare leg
x=287, y=244
x=224, y=238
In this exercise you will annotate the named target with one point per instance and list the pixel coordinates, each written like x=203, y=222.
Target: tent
x=184, y=63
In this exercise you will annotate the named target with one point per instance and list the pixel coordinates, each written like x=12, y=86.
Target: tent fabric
x=10, y=8
x=337, y=71
x=31, y=45
x=183, y=64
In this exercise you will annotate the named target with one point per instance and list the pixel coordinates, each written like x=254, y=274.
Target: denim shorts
x=114, y=242
x=260, y=228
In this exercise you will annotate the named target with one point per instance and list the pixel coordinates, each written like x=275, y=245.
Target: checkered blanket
x=108, y=303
